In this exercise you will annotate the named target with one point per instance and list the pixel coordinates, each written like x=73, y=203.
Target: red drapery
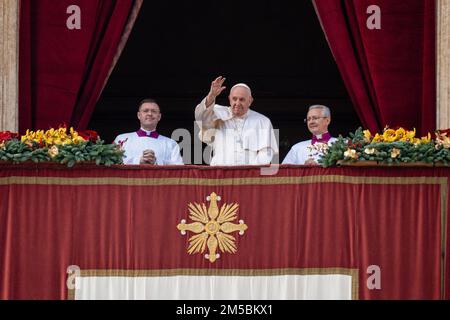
x=125, y=218
x=61, y=71
x=389, y=72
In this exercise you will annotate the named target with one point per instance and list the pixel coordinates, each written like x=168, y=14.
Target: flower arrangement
x=391, y=146
x=317, y=149
x=58, y=145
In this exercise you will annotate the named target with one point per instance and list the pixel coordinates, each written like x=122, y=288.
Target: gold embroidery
x=212, y=227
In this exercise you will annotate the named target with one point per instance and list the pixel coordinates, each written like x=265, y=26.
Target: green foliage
x=335, y=153
x=16, y=151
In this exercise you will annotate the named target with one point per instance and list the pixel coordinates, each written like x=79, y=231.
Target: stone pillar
x=443, y=64
x=9, y=65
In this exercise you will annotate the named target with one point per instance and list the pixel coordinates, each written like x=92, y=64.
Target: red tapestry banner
x=345, y=233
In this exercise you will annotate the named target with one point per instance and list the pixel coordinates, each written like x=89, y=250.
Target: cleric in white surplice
x=147, y=146
x=310, y=151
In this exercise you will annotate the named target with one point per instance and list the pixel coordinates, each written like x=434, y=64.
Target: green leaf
x=71, y=163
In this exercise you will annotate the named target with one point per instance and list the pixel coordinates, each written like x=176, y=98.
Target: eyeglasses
x=313, y=119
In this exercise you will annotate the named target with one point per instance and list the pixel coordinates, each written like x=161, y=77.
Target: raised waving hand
x=215, y=90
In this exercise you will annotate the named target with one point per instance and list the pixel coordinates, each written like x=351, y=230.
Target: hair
x=325, y=110
x=242, y=85
x=147, y=100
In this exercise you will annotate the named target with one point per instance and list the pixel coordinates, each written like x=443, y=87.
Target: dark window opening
x=178, y=47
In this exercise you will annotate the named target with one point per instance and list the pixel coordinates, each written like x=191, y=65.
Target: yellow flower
x=389, y=135
x=53, y=151
x=75, y=137
x=395, y=153
x=31, y=136
x=39, y=135
x=78, y=139
x=400, y=134
x=426, y=139
x=367, y=135
x=410, y=135
x=25, y=137
x=53, y=136
x=369, y=150
x=377, y=138
x=2, y=145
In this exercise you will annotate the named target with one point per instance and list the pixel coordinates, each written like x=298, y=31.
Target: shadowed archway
x=276, y=47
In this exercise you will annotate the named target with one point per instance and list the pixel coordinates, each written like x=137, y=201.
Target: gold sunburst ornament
x=212, y=227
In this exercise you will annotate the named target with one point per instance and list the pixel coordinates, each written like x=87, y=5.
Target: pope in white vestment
x=238, y=135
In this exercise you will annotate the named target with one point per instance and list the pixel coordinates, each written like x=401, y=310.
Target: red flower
x=8, y=135
x=90, y=135
x=443, y=132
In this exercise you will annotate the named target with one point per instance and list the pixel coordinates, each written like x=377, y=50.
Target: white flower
x=395, y=153
x=369, y=150
x=351, y=153
x=53, y=151
x=317, y=149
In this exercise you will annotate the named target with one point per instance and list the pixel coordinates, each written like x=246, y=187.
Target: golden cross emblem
x=212, y=227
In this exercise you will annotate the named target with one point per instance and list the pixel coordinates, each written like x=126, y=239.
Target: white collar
x=244, y=117
x=319, y=136
x=146, y=131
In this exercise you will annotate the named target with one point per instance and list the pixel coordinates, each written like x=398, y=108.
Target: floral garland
x=391, y=135
x=390, y=146
x=58, y=145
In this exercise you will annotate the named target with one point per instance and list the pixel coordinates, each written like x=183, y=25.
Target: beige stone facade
x=9, y=57
x=443, y=64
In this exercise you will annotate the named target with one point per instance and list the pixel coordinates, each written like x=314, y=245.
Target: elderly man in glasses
x=309, y=151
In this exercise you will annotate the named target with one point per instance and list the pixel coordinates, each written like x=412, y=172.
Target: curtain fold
x=389, y=72
x=63, y=71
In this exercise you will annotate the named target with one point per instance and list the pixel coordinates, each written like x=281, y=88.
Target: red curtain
x=62, y=71
x=389, y=72
x=125, y=218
